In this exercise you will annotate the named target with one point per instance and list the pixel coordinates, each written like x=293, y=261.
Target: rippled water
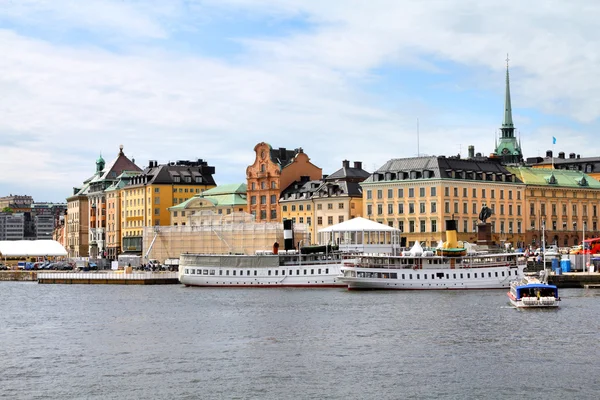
x=166, y=342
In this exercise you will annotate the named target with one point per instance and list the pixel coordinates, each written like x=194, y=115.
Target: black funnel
x=450, y=225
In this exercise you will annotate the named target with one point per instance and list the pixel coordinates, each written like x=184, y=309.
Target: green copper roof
x=554, y=177
x=226, y=189
x=100, y=159
x=222, y=200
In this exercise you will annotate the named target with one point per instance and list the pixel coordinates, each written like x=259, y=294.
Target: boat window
x=454, y=276
x=283, y=272
x=496, y=273
x=326, y=270
x=424, y=276
x=291, y=272
x=233, y=272
x=312, y=271
x=241, y=272
x=410, y=276
x=205, y=272
x=248, y=272
x=394, y=276
x=254, y=272
x=403, y=276
x=475, y=274
x=212, y=271
x=502, y=273
x=447, y=276
x=276, y=272
x=297, y=272
x=187, y=271
x=461, y=276
x=319, y=271
x=417, y=276
x=468, y=276
x=489, y=274
x=220, y=272
x=269, y=272
x=227, y=272
x=304, y=272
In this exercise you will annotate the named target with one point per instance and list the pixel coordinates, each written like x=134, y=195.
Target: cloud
x=78, y=80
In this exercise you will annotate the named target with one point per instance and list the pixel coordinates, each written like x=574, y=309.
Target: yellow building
x=416, y=195
x=565, y=201
x=321, y=203
x=146, y=200
x=113, y=213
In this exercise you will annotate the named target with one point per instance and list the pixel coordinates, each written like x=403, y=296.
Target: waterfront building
x=587, y=165
x=321, y=203
x=274, y=170
x=12, y=225
x=567, y=202
x=146, y=199
x=45, y=217
x=86, y=208
x=509, y=149
x=113, y=213
x=220, y=200
x=60, y=230
x=416, y=195
x=16, y=203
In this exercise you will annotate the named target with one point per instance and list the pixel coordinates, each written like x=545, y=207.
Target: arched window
x=262, y=168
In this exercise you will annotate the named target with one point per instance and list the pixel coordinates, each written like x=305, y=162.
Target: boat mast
x=544, y=245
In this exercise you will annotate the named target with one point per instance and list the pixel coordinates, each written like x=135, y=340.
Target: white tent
x=31, y=248
x=362, y=235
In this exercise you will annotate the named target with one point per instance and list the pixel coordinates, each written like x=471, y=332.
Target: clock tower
x=509, y=149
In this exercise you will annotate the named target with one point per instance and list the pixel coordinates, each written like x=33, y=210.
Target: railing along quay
x=108, y=278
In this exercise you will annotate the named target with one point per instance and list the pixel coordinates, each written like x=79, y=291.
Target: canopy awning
x=31, y=248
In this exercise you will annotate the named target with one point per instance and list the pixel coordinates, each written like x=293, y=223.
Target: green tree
x=7, y=209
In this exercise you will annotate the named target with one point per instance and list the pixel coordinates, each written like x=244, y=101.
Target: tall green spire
x=508, y=127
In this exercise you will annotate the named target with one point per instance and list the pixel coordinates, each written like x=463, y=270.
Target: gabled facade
x=562, y=200
x=221, y=200
x=417, y=195
x=272, y=171
x=113, y=213
x=146, y=200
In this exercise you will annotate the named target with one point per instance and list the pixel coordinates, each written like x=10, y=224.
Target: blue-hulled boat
x=531, y=292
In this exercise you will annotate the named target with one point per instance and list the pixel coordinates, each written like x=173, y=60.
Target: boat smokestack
x=288, y=235
x=451, y=238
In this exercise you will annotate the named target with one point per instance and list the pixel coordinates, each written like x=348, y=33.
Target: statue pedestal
x=484, y=234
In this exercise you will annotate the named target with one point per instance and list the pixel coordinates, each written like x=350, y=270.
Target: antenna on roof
x=418, y=150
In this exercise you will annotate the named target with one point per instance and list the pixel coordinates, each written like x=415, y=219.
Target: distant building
x=45, y=217
x=272, y=171
x=12, y=226
x=114, y=216
x=588, y=165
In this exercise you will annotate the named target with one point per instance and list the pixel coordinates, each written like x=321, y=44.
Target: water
x=167, y=342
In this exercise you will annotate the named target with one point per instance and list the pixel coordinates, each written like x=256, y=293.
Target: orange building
x=274, y=170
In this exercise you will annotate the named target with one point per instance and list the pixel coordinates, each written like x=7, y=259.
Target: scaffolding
x=211, y=233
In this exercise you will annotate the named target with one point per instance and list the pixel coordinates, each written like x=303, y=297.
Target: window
x=301, y=207
x=273, y=214
x=456, y=207
x=273, y=185
x=293, y=207
x=474, y=193
x=518, y=209
x=369, y=209
x=369, y=195
x=400, y=193
x=492, y=194
x=510, y=194
x=308, y=220
x=433, y=207
x=401, y=208
x=422, y=192
x=465, y=208
x=411, y=192
x=422, y=223
x=284, y=208
x=156, y=211
x=253, y=188
x=510, y=209
x=263, y=185
x=157, y=200
x=330, y=220
x=411, y=226
x=273, y=199
x=465, y=225
x=455, y=192
x=319, y=206
x=390, y=193
x=379, y=209
x=422, y=208
x=411, y=208
x=483, y=193
x=263, y=214
x=447, y=191
x=380, y=194
x=474, y=208
x=433, y=191
x=156, y=190
x=434, y=226
x=340, y=219
x=330, y=206
x=447, y=207
x=319, y=220
x=401, y=226
x=501, y=194
x=464, y=192
x=341, y=206
x=390, y=208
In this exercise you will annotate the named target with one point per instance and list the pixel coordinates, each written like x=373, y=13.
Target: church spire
x=507, y=124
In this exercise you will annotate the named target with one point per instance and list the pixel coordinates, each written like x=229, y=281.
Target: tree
x=7, y=210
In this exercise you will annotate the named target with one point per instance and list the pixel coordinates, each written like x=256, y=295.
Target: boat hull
x=432, y=279
x=533, y=302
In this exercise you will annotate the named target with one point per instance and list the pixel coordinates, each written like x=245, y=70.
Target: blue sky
x=347, y=79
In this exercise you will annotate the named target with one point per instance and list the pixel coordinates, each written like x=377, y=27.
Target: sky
x=343, y=79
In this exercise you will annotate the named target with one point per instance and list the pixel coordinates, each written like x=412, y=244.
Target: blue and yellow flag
x=553, y=140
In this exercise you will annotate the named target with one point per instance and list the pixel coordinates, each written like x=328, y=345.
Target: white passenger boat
x=453, y=267
x=261, y=270
x=532, y=292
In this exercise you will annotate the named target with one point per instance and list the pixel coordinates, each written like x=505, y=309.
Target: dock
x=576, y=280
x=108, y=278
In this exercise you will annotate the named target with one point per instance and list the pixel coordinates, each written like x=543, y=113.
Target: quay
x=92, y=277
x=576, y=280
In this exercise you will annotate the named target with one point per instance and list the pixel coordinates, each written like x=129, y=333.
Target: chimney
x=549, y=153
x=358, y=164
x=561, y=155
x=578, y=157
x=282, y=153
x=478, y=155
x=471, y=151
x=571, y=155
x=345, y=164
x=325, y=176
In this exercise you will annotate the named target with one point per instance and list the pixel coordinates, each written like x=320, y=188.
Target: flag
x=553, y=140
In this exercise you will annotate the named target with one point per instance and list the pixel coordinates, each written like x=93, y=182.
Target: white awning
x=359, y=224
x=31, y=248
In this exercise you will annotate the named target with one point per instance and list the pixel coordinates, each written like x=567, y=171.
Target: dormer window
x=188, y=179
x=551, y=180
x=176, y=179
x=582, y=181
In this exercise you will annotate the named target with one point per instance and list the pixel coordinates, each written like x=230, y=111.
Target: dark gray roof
x=353, y=173
x=282, y=156
x=304, y=190
x=433, y=167
x=197, y=172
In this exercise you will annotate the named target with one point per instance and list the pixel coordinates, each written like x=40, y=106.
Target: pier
x=108, y=278
x=576, y=280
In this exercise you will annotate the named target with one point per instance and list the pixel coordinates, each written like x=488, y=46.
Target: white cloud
x=308, y=88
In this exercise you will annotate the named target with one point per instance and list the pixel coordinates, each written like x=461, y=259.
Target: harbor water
x=172, y=342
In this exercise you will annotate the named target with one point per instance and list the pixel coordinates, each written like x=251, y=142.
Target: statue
x=485, y=213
